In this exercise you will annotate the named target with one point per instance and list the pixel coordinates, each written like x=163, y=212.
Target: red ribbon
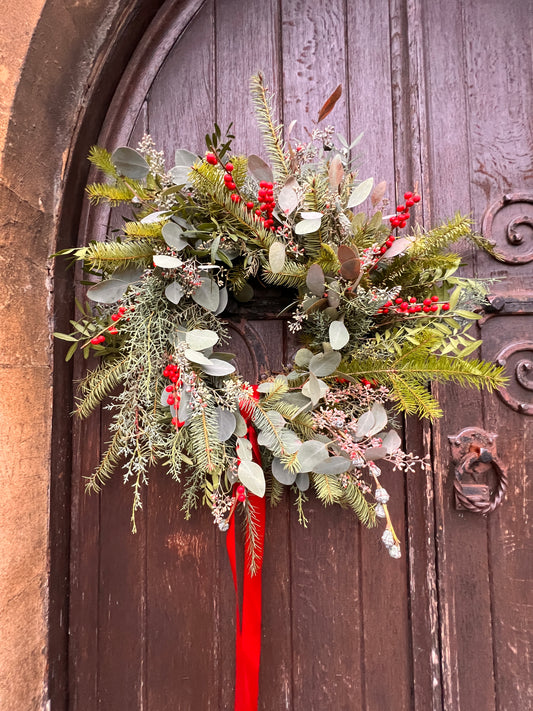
x=248, y=624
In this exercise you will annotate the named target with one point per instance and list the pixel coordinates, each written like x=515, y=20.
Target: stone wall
x=60, y=62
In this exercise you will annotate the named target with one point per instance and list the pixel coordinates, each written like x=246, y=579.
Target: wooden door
x=345, y=627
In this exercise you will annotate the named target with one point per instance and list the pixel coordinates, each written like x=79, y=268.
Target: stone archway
x=73, y=61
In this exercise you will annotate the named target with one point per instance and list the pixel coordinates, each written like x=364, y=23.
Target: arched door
x=345, y=627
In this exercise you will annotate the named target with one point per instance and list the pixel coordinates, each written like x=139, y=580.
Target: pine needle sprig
x=99, y=383
x=272, y=133
x=101, y=159
x=110, y=256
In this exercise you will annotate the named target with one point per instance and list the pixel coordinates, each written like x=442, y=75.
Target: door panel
x=344, y=626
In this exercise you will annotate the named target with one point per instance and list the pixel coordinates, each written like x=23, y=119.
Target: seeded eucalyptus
x=380, y=310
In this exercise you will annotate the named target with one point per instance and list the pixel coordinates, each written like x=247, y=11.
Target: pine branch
x=113, y=194
x=101, y=158
x=143, y=229
x=292, y=275
x=99, y=383
x=355, y=499
x=272, y=134
x=110, y=256
x=106, y=467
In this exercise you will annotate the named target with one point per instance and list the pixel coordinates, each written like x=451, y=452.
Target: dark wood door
x=443, y=94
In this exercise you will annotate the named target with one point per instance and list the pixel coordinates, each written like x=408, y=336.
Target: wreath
x=379, y=309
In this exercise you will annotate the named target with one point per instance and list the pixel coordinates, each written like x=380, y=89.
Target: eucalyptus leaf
x=364, y=424
x=185, y=411
x=287, y=200
x=291, y=441
x=207, y=294
x=244, y=449
x=107, y=291
x=302, y=481
x=276, y=257
x=130, y=163
x=259, y=169
x=241, y=428
x=218, y=368
x=334, y=298
x=315, y=280
x=391, y=441
x=165, y=261
x=306, y=227
x=154, y=217
x=345, y=253
x=199, y=338
x=311, y=215
x=335, y=172
x=373, y=453
x=226, y=424
x=397, y=247
x=310, y=453
x=338, y=335
x=174, y=292
x=276, y=419
x=314, y=389
x=303, y=357
x=360, y=193
x=180, y=174
x=323, y=364
x=380, y=419
x=223, y=295
x=245, y=294
x=173, y=236
x=184, y=157
x=281, y=473
x=332, y=465
x=196, y=357
x=252, y=476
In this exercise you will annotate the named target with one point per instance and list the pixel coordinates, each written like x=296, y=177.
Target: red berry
x=445, y=307
x=383, y=248
x=412, y=309
x=263, y=184
x=122, y=310
x=95, y=341
x=427, y=302
x=173, y=378
x=250, y=205
x=402, y=224
x=211, y=158
x=418, y=308
x=434, y=307
x=258, y=212
x=240, y=489
x=388, y=303
x=113, y=330
x=231, y=186
x=416, y=198
x=412, y=300
x=241, y=497
x=398, y=300
x=406, y=216
x=235, y=197
x=389, y=242
x=434, y=297
x=169, y=388
x=170, y=400
x=229, y=167
x=404, y=305
x=101, y=338
x=426, y=309
x=400, y=208
x=409, y=203
x=407, y=196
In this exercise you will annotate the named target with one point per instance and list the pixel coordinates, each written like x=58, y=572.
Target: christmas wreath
x=380, y=310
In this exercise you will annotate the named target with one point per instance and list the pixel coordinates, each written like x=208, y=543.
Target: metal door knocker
x=480, y=480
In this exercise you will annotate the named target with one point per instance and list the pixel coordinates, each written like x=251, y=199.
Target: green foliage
x=110, y=256
x=272, y=133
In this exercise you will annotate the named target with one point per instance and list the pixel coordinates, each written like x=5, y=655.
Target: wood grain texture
x=344, y=626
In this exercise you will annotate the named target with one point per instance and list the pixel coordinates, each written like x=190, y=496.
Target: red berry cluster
x=112, y=330
x=411, y=306
x=228, y=177
x=402, y=211
x=265, y=196
x=241, y=493
x=369, y=383
x=173, y=373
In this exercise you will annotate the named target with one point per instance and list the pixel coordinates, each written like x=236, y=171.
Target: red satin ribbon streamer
x=248, y=624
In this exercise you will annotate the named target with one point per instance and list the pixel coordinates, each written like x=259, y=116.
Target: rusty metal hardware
x=480, y=480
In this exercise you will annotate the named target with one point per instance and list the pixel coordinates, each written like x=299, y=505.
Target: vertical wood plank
x=181, y=98
x=499, y=96
x=247, y=41
x=325, y=556
x=121, y=579
x=182, y=667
